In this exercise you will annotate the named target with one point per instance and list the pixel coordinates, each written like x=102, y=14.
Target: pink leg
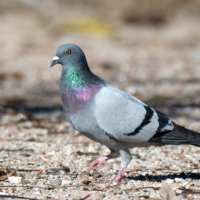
x=120, y=174
x=98, y=163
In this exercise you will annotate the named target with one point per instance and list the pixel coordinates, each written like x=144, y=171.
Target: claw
x=102, y=161
x=120, y=175
x=116, y=179
x=98, y=163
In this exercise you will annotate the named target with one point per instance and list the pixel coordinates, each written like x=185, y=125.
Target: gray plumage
x=110, y=116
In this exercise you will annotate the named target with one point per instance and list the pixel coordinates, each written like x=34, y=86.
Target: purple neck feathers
x=76, y=99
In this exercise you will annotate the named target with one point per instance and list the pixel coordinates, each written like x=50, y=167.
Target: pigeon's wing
x=125, y=118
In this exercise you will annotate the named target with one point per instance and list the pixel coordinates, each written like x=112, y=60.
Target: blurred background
x=149, y=48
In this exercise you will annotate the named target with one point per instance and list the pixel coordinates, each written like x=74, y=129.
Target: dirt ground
x=149, y=51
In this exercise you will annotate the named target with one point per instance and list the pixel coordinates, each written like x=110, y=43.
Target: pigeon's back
x=120, y=115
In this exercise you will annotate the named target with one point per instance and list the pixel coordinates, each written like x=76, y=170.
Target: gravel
x=51, y=165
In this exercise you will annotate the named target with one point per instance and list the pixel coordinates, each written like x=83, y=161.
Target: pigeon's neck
x=73, y=77
x=77, y=87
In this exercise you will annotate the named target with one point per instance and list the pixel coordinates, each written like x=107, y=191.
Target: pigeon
x=111, y=116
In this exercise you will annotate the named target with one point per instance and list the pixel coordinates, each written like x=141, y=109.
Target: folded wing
x=125, y=118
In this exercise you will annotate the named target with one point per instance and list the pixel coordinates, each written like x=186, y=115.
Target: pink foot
x=120, y=175
x=98, y=163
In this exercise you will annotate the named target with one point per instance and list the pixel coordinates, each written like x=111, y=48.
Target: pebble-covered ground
x=41, y=155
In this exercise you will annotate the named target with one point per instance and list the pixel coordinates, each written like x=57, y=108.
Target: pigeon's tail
x=179, y=135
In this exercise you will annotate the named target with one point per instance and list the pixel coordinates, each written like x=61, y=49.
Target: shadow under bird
x=110, y=116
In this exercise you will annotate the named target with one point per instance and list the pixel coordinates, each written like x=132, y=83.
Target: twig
x=79, y=143
x=7, y=196
x=16, y=150
x=33, y=140
x=189, y=192
x=188, y=183
x=17, y=139
x=11, y=172
x=143, y=188
x=86, y=197
x=25, y=186
x=79, y=153
x=28, y=170
x=39, y=169
x=17, y=186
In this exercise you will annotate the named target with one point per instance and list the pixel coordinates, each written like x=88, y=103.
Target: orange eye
x=68, y=52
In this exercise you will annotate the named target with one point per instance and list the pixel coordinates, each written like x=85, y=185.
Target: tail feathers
x=179, y=135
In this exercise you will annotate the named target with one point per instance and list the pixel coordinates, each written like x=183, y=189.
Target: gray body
x=113, y=117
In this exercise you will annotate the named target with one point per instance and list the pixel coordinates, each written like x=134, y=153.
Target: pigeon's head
x=68, y=54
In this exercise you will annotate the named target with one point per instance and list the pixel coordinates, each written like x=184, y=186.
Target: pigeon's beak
x=54, y=61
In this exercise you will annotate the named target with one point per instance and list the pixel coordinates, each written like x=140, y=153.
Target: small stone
x=26, y=124
x=96, y=175
x=169, y=181
x=130, y=185
x=65, y=182
x=56, y=182
x=83, y=179
x=97, y=196
x=178, y=179
x=65, y=168
x=30, y=163
x=113, y=192
x=14, y=179
x=83, y=188
x=110, y=193
x=74, y=174
x=51, y=153
x=62, y=172
x=3, y=193
x=37, y=193
x=26, y=154
x=51, y=187
x=81, y=194
x=182, y=196
x=118, y=192
x=21, y=116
